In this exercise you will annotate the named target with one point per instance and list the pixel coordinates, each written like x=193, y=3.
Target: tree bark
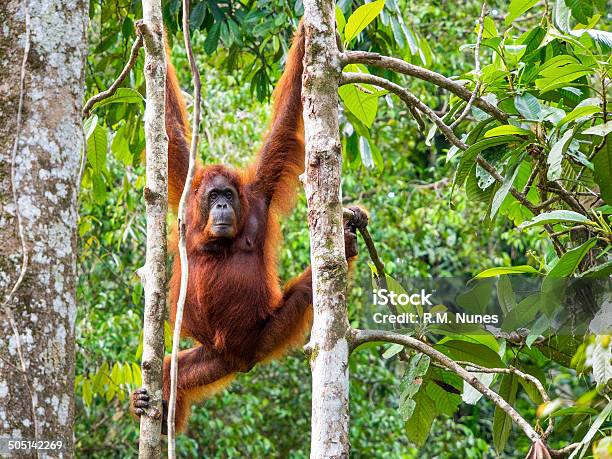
x=42, y=61
x=328, y=345
x=156, y=199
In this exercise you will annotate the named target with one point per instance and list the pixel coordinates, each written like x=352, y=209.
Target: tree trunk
x=328, y=344
x=156, y=199
x=42, y=57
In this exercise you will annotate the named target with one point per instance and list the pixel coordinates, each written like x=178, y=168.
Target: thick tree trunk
x=328, y=344
x=156, y=198
x=42, y=57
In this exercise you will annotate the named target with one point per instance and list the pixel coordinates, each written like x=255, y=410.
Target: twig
x=182, y=226
x=124, y=73
x=24, y=249
x=400, y=66
x=364, y=336
x=468, y=107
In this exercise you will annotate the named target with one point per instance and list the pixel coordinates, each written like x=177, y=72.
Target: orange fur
x=235, y=307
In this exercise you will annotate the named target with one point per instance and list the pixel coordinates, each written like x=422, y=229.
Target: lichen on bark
x=44, y=176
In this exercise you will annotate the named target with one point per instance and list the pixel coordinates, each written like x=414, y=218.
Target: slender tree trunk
x=328, y=344
x=156, y=199
x=43, y=48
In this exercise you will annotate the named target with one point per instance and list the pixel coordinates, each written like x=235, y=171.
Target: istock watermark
x=511, y=304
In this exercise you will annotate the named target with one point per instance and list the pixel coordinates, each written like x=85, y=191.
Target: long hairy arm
x=281, y=158
x=179, y=136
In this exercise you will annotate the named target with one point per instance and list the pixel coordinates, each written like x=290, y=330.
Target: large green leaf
x=567, y=264
x=502, y=423
x=603, y=170
x=579, y=112
x=506, y=129
x=122, y=96
x=97, y=146
x=502, y=192
x=528, y=106
x=340, y=20
x=517, y=8
x=423, y=415
x=582, y=10
x=492, y=272
x=363, y=106
x=471, y=352
x=554, y=216
x=361, y=17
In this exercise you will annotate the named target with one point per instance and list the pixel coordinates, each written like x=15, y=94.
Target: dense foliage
x=434, y=212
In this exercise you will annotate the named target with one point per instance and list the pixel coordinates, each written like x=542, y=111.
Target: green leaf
x=127, y=374
x=517, y=8
x=561, y=16
x=468, y=157
x=567, y=264
x=555, y=156
x=361, y=17
x=97, y=146
x=120, y=146
x=122, y=96
x=196, y=18
x=579, y=112
x=554, y=216
x=212, y=38
x=363, y=106
x=601, y=271
x=505, y=294
x=492, y=272
x=417, y=429
x=528, y=106
x=340, y=21
x=392, y=350
x=582, y=10
x=600, y=130
x=502, y=423
x=507, y=129
x=98, y=188
x=136, y=375
x=489, y=30
x=87, y=394
x=472, y=352
x=100, y=378
x=503, y=190
x=446, y=402
x=603, y=170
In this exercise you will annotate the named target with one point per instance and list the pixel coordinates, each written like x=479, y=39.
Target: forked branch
x=400, y=66
x=124, y=73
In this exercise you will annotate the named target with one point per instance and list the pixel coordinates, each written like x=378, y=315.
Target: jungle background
x=402, y=174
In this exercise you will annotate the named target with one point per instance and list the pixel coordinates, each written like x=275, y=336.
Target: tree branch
x=124, y=73
x=182, y=225
x=364, y=336
x=409, y=99
x=400, y=66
